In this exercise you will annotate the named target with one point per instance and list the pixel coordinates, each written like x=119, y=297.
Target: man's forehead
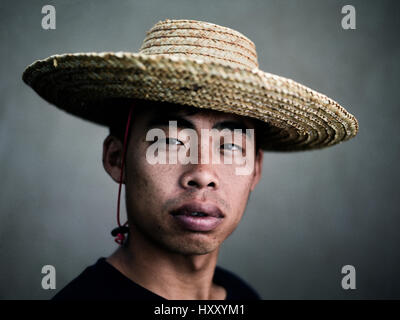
x=171, y=111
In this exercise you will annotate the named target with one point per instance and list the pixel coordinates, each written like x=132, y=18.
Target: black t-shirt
x=102, y=281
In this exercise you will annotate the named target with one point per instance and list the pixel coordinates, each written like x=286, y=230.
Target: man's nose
x=200, y=176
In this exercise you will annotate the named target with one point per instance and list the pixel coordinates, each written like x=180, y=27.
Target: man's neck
x=170, y=275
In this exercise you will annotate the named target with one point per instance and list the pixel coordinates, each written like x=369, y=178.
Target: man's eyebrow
x=162, y=120
x=232, y=125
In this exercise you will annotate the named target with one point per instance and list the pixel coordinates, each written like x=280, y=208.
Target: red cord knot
x=119, y=234
x=120, y=239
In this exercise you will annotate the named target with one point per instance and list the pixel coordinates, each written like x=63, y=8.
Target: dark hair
x=118, y=120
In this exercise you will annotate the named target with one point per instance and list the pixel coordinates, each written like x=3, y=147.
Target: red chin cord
x=120, y=231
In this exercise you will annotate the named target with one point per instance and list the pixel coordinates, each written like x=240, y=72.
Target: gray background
x=312, y=213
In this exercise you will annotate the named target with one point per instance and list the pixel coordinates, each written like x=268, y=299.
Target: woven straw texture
x=197, y=64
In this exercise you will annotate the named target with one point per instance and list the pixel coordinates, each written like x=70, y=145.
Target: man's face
x=162, y=198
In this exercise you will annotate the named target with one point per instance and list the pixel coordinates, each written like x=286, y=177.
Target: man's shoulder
x=236, y=287
x=87, y=284
x=101, y=281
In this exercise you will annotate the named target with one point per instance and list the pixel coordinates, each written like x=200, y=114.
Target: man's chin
x=192, y=246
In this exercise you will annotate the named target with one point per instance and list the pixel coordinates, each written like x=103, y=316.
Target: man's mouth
x=195, y=216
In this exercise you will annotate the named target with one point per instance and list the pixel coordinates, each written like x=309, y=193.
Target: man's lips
x=205, y=208
x=195, y=216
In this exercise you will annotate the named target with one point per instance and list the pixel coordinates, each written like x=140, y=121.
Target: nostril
x=192, y=183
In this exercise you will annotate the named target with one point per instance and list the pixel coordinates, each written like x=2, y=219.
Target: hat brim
x=300, y=118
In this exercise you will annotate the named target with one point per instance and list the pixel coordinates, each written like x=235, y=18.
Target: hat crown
x=201, y=41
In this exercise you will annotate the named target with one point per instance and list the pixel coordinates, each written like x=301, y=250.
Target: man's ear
x=258, y=163
x=112, y=157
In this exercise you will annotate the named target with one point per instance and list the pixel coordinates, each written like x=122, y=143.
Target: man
x=193, y=89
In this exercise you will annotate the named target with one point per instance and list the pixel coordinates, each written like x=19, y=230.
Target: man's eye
x=231, y=147
x=173, y=141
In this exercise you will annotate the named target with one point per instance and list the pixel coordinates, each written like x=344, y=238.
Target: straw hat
x=197, y=64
